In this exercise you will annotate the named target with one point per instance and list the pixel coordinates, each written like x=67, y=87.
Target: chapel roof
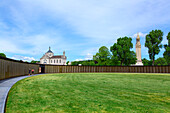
x=58, y=56
x=49, y=51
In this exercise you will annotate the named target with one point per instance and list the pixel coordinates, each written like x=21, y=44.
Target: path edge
x=3, y=110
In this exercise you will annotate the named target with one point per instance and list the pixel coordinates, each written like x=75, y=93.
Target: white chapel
x=49, y=58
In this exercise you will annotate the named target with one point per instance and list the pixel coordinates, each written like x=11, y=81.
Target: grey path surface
x=5, y=86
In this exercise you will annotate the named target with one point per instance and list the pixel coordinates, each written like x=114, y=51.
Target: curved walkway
x=5, y=86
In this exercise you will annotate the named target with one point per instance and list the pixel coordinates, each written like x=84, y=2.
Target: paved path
x=5, y=86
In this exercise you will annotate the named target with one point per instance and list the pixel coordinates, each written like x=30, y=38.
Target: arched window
x=54, y=61
x=57, y=61
x=60, y=61
x=45, y=61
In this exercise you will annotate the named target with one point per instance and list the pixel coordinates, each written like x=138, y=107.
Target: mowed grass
x=91, y=92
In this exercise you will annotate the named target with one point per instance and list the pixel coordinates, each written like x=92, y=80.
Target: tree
x=67, y=62
x=84, y=63
x=121, y=51
x=75, y=63
x=35, y=61
x=3, y=55
x=153, y=43
x=131, y=59
x=114, y=61
x=88, y=63
x=160, y=61
x=167, y=50
x=103, y=56
x=146, y=62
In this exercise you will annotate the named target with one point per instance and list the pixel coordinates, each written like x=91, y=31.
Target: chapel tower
x=138, y=51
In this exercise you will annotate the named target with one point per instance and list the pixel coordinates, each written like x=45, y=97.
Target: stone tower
x=138, y=51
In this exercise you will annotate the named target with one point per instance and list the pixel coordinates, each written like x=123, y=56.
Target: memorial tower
x=138, y=51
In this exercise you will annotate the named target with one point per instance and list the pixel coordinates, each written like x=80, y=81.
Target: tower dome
x=49, y=51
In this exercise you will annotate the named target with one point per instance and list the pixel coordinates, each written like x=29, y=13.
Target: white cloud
x=23, y=58
x=101, y=21
x=3, y=26
x=79, y=59
x=90, y=51
x=165, y=41
x=89, y=56
x=140, y=35
x=32, y=45
x=144, y=50
x=10, y=46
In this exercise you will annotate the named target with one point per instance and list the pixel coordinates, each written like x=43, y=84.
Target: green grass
x=91, y=92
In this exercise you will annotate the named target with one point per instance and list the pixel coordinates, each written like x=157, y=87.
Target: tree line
x=120, y=53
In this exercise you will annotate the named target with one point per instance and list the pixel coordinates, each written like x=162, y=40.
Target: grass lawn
x=91, y=92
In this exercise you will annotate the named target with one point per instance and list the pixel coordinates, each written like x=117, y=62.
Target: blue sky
x=80, y=27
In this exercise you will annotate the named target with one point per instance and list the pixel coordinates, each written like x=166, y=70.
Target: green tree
x=103, y=56
x=115, y=61
x=3, y=55
x=35, y=61
x=131, y=59
x=167, y=50
x=153, y=43
x=67, y=62
x=146, y=62
x=88, y=63
x=84, y=63
x=121, y=51
x=75, y=63
x=160, y=61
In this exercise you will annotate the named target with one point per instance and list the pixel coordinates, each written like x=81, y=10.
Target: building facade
x=50, y=58
x=138, y=51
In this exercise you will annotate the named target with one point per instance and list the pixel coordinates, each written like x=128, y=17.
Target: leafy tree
x=103, y=56
x=114, y=61
x=160, y=61
x=153, y=43
x=167, y=50
x=75, y=63
x=3, y=55
x=121, y=51
x=88, y=63
x=67, y=62
x=146, y=62
x=35, y=61
x=131, y=59
x=21, y=60
x=84, y=63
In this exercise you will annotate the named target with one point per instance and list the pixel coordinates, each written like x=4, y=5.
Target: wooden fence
x=12, y=68
x=94, y=69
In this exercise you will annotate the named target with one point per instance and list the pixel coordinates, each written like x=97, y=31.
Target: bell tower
x=64, y=54
x=138, y=51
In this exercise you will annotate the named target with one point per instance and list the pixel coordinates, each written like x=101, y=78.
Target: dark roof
x=58, y=56
x=49, y=51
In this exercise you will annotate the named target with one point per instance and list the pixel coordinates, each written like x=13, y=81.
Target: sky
x=78, y=27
